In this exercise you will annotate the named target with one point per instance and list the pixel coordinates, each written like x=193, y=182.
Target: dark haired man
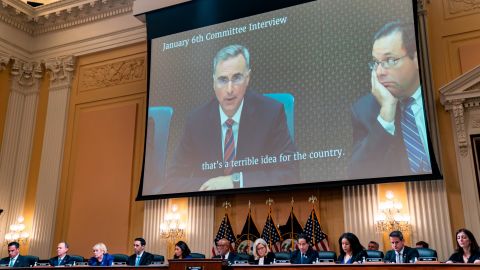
x=62, y=257
x=14, y=258
x=305, y=254
x=400, y=253
x=223, y=247
x=389, y=131
x=140, y=257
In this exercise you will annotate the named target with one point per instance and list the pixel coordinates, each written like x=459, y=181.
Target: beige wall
x=103, y=152
x=454, y=38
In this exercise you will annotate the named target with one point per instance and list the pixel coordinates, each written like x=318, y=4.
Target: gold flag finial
x=226, y=205
x=292, y=201
x=269, y=201
x=312, y=199
x=249, y=204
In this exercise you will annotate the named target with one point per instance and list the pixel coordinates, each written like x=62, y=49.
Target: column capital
x=60, y=68
x=25, y=76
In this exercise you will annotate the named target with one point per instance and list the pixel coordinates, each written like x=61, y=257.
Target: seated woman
x=100, y=256
x=182, y=251
x=351, y=251
x=467, y=248
x=261, y=253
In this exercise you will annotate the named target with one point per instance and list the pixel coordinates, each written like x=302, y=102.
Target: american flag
x=271, y=234
x=224, y=231
x=318, y=239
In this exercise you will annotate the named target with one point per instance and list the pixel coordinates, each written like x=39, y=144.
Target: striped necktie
x=229, y=146
x=417, y=158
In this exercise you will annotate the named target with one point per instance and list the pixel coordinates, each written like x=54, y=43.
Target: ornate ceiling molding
x=60, y=15
x=458, y=96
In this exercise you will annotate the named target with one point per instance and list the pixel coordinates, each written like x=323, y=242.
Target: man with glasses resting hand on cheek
x=389, y=131
x=235, y=125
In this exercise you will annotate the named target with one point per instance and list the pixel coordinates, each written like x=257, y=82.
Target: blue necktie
x=417, y=158
x=137, y=261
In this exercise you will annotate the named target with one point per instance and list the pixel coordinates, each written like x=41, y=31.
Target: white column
x=61, y=73
x=17, y=141
x=201, y=219
x=154, y=213
x=429, y=215
x=360, y=205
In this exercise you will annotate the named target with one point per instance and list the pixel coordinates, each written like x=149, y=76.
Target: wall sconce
x=390, y=217
x=172, y=228
x=17, y=232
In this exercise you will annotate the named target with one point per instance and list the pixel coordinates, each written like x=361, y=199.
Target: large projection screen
x=321, y=99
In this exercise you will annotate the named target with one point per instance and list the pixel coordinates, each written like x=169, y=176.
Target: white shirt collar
x=236, y=116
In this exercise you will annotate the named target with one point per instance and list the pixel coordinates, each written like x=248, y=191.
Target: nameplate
x=373, y=259
x=80, y=263
x=119, y=263
x=194, y=268
x=41, y=264
x=427, y=259
x=240, y=262
x=282, y=261
x=325, y=261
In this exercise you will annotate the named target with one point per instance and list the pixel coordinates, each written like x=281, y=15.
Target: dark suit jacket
x=232, y=256
x=310, y=257
x=263, y=131
x=408, y=255
x=146, y=259
x=355, y=258
x=457, y=257
x=376, y=153
x=66, y=260
x=20, y=262
x=267, y=260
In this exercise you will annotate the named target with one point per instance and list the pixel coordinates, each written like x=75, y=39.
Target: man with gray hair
x=226, y=139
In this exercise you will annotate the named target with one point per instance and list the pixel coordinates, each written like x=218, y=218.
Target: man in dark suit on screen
x=223, y=137
x=140, y=257
x=389, y=130
x=14, y=258
x=400, y=253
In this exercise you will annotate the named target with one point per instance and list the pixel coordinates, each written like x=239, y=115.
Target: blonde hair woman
x=261, y=253
x=100, y=256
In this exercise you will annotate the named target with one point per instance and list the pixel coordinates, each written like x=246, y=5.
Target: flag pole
x=292, y=243
x=226, y=205
x=269, y=202
x=248, y=225
x=312, y=200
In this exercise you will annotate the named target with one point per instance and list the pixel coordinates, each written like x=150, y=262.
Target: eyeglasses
x=386, y=64
x=237, y=79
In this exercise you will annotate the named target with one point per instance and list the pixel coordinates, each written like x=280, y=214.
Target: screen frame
x=222, y=11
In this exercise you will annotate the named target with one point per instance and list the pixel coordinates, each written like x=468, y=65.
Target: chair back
x=427, y=253
x=288, y=101
x=158, y=259
x=159, y=118
x=31, y=259
x=374, y=254
x=327, y=256
x=282, y=256
x=242, y=256
x=197, y=255
x=120, y=258
x=77, y=258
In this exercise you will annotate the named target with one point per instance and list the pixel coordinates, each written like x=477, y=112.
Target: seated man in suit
x=141, y=257
x=14, y=258
x=223, y=247
x=62, y=257
x=224, y=136
x=373, y=245
x=389, y=130
x=305, y=253
x=400, y=252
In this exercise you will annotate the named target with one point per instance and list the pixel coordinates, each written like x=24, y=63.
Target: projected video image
x=320, y=92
